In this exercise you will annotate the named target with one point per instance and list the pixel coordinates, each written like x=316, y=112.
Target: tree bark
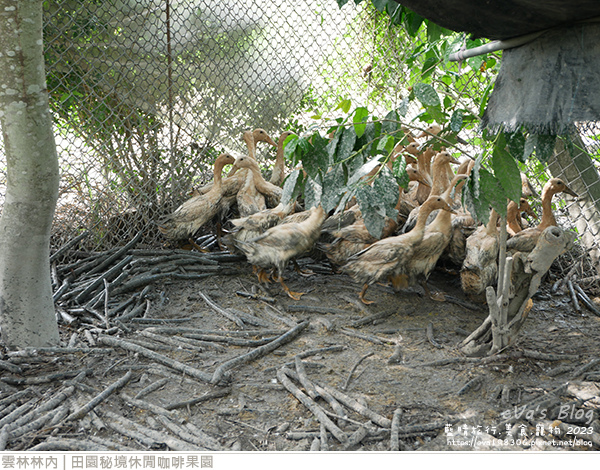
x=26, y=309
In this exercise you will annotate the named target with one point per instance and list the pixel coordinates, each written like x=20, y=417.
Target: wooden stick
x=71, y=243
x=377, y=316
x=207, y=441
x=430, y=337
x=143, y=405
x=45, y=378
x=356, y=437
x=354, y=367
x=395, y=433
x=586, y=300
x=186, y=435
x=573, y=296
x=316, y=309
x=10, y=367
x=355, y=405
x=258, y=352
x=323, y=437
x=218, y=393
x=191, y=371
x=17, y=413
x=471, y=384
x=151, y=388
x=312, y=406
x=89, y=406
x=69, y=445
x=370, y=338
x=49, y=405
x=303, y=378
x=227, y=314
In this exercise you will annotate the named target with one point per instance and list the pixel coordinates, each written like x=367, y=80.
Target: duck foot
x=261, y=274
x=290, y=293
x=361, y=296
x=437, y=296
x=198, y=247
x=302, y=272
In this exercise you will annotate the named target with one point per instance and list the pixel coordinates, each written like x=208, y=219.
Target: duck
x=235, y=180
x=463, y=223
x=514, y=221
x=440, y=183
x=387, y=259
x=435, y=240
x=278, y=172
x=480, y=266
x=271, y=192
x=352, y=239
x=525, y=240
x=254, y=225
x=282, y=243
x=197, y=211
x=249, y=199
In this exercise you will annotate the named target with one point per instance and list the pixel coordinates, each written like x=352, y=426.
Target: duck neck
x=218, y=178
x=491, y=228
x=250, y=144
x=439, y=172
x=548, y=219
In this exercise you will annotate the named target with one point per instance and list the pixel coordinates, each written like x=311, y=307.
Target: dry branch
x=191, y=371
x=144, y=405
x=100, y=397
x=218, y=393
x=226, y=313
x=395, y=432
x=312, y=406
x=354, y=367
x=430, y=337
x=151, y=388
x=69, y=445
x=258, y=352
x=366, y=337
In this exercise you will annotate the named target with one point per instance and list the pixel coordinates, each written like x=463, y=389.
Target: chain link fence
x=147, y=93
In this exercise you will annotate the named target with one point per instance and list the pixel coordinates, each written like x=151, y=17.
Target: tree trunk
x=27, y=315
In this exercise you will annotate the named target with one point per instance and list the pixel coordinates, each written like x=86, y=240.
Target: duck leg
x=290, y=293
x=361, y=296
x=198, y=247
x=299, y=270
x=261, y=274
x=437, y=296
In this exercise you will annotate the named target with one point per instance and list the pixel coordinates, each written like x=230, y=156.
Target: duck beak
x=570, y=191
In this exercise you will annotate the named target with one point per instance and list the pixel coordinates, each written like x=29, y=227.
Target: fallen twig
x=430, y=337
x=151, y=388
x=188, y=436
x=143, y=405
x=573, y=296
x=191, y=371
x=303, y=379
x=258, y=352
x=354, y=405
x=100, y=397
x=315, y=309
x=218, y=393
x=70, y=445
x=366, y=337
x=67, y=246
x=375, y=317
x=312, y=406
x=471, y=384
x=227, y=314
x=586, y=300
x=354, y=367
x=395, y=432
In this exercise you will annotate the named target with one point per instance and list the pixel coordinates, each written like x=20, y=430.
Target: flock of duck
x=432, y=224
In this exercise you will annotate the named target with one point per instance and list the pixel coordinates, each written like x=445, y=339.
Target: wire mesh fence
x=146, y=94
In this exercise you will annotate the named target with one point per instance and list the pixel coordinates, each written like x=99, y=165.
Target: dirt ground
x=536, y=387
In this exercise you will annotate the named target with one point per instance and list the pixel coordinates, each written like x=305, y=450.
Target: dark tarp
x=549, y=83
x=503, y=19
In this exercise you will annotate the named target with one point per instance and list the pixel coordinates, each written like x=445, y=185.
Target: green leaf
x=426, y=94
x=456, y=121
x=507, y=173
x=313, y=192
x=403, y=108
x=374, y=219
x=334, y=186
x=344, y=105
x=365, y=169
x=390, y=122
x=386, y=189
x=360, y=116
x=316, y=158
x=476, y=206
x=399, y=172
x=515, y=144
x=492, y=191
x=346, y=145
x=292, y=187
x=289, y=147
